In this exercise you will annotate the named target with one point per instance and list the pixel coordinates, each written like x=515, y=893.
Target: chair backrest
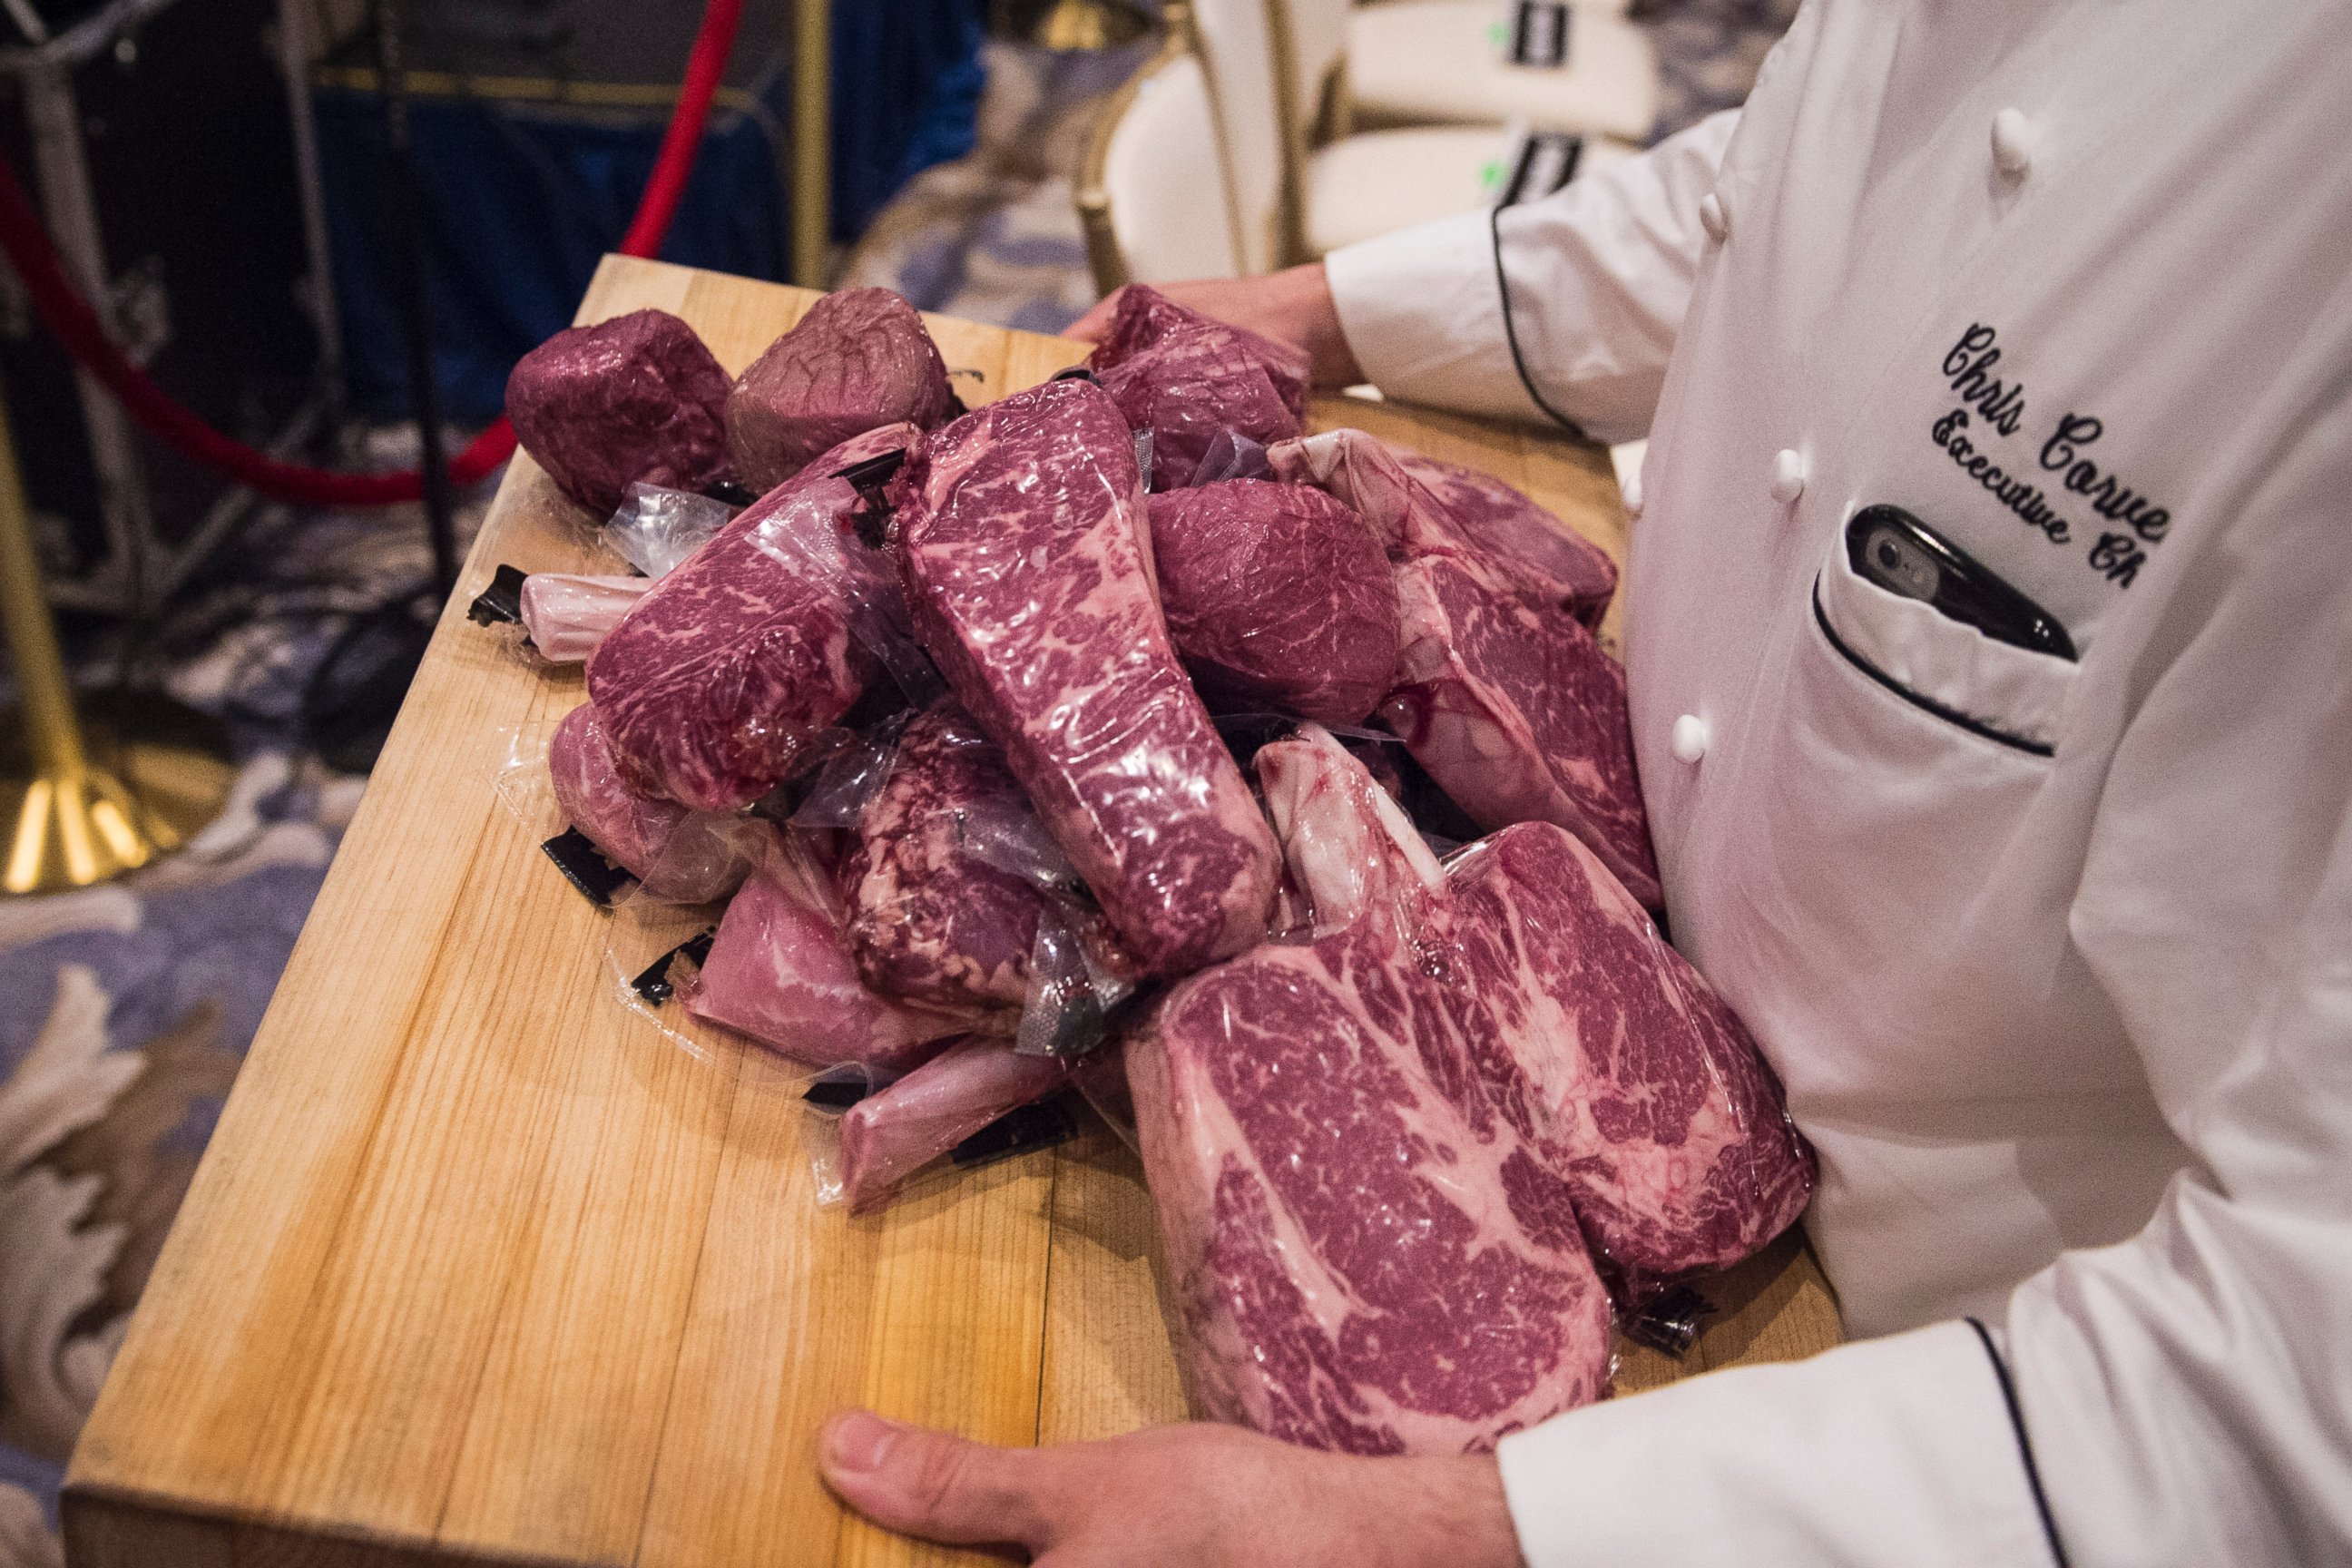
x=1154, y=199
x=1238, y=44
x=1314, y=35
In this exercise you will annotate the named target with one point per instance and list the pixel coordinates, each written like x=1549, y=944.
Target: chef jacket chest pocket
x=1898, y=755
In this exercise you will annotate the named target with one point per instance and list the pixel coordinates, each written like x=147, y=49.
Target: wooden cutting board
x=481, y=1266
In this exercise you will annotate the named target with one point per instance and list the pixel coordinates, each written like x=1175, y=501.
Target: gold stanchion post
x=812, y=141
x=75, y=820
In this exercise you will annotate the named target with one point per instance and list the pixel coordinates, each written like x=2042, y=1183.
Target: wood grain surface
x=483, y=1266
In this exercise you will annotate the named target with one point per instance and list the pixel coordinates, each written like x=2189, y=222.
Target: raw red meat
x=935, y=914
x=716, y=685
x=1275, y=596
x=636, y=397
x=1363, y=1255
x=1029, y=572
x=1419, y=507
x=1617, y=1063
x=567, y=614
x=888, y=1136
x=779, y=972
x=1517, y=714
x=1184, y=377
x=685, y=856
x=859, y=359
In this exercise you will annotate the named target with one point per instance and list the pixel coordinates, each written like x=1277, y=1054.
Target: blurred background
x=232, y=232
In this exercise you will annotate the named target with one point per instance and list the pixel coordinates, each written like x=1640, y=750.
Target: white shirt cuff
x=1418, y=308
x=1893, y=1451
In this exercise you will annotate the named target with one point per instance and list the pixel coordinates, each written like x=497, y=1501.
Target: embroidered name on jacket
x=1992, y=409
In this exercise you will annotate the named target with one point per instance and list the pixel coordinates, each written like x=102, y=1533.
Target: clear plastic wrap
x=1231, y=456
x=655, y=528
x=566, y=615
x=1028, y=573
x=716, y=685
x=851, y=778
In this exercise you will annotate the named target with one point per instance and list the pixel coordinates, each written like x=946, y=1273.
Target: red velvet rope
x=78, y=331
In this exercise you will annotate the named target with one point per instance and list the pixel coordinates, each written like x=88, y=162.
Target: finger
x=932, y=1484
x=1090, y=326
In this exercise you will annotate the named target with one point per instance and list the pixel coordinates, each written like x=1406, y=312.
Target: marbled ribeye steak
x=1029, y=574
x=714, y=685
x=1365, y=1256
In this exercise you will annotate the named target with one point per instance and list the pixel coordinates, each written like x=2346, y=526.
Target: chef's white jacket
x=2054, y=958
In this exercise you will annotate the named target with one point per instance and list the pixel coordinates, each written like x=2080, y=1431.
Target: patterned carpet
x=124, y=1011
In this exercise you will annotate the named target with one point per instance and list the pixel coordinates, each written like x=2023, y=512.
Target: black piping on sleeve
x=1511, y=331
x=2024, y=1443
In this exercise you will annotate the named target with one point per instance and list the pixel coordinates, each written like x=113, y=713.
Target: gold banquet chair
x=1446, y=61
x=1153, y=198
x=1277, y=77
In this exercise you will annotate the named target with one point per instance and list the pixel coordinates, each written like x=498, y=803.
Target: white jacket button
x=1714, y=217
x=1691, y=736
x=1788, y=474
x=2012, y=143
x=1629, y=492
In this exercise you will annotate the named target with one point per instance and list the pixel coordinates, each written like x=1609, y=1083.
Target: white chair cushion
x=1360, y=188
x=1166, y=183
x=1437, y=59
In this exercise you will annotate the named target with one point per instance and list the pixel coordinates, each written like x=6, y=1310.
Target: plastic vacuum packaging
x=655, y=528
x=1420, y=507
x=779, y=971
x=1275, y=594
x=1028, y=561
x=891, y=1135
x=1626, y=1075
x=1517, y=713
x=1363, y=1256
x=567, y=614
x=950, y=873
x=859, y=359
x=715, y=687
x=1188, y=379
x=684, y=857
x=636, y=397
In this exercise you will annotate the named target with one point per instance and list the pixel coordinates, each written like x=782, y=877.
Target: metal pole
x=43, y=692
x=404, y=203
x=812, y=140
x=294, y=60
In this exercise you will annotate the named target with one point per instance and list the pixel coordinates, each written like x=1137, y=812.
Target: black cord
x=1511, y=332
x=402, y=204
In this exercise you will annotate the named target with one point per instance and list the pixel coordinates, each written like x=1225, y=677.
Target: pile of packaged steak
x=1118, y=736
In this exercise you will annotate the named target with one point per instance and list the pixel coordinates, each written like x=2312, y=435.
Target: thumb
x=932, y=1484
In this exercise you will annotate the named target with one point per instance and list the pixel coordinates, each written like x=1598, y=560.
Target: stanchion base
x=157, y=772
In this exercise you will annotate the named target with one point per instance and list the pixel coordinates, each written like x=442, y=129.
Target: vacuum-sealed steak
x=1517, y=714
x=779, y=971
x=715, y=686
x=1363, y=1255
x=951, y=872
x=888, y=1136
x=567, y=614
x=1029, y=574
x=859, y=359
x=1420, y=507
x=636, y=397
x=1275, y=596
x=1184, y=377
x=682, y=856
x=1617, y=1063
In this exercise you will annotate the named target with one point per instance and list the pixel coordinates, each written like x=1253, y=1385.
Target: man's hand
x=1294, y=305
x=1174, y=1497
